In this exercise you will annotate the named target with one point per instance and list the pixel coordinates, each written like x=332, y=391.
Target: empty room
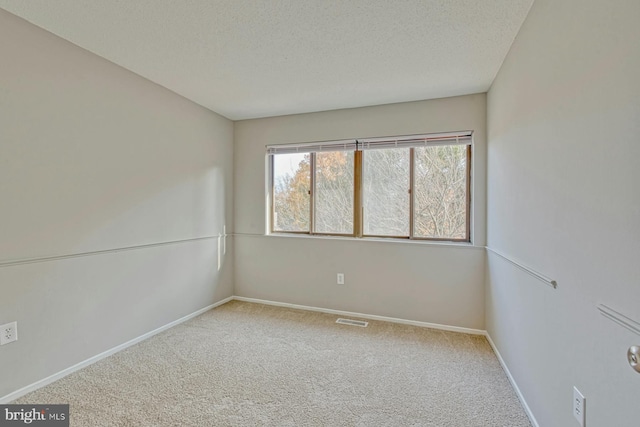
x=320, y=213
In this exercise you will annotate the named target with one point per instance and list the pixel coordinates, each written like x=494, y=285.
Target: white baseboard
x=365, y=316
x=527, y=410
x=48, y=380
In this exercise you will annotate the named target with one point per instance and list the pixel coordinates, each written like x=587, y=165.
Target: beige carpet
x=245, y=364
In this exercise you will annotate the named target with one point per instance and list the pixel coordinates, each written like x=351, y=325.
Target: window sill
x=389, y=240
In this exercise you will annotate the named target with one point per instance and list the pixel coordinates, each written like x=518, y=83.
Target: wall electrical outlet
x=8, y=333
x=340, y=278
x=579, y=406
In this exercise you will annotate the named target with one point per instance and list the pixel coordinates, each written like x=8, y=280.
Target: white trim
x=10, y=263
x=524, y=268
x=619, y=318
x=365, y=316
x=48, y=380
x=390, y=240
x=527, y=410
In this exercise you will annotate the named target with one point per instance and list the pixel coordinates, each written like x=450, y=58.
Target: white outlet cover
x=579, y=406
x=8, y=333
x=340, y=279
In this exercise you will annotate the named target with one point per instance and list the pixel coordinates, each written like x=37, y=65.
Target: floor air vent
x=352, y=322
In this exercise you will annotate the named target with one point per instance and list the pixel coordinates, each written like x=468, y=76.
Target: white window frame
x=365, y=144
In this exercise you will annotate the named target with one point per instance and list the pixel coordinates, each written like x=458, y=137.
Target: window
x=412, y=187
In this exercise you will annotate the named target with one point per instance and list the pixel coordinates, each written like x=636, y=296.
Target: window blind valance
x=461, y=138
x=313, y=147
x=452, y=138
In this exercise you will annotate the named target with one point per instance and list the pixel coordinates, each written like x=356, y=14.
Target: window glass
x=440, y=203
x=385, y=192
x=291, y=185
x=334, y=192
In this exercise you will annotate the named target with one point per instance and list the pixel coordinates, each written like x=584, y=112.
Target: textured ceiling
x=257, y=58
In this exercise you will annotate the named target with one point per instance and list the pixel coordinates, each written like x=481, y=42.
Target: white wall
x=425, y=282
x=95, y=158
x=563, y=197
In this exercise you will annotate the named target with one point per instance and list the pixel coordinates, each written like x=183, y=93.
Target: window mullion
x=272, y=191
x=411, y=190
x=468, y=189
x=312, y=188
x=357, y=194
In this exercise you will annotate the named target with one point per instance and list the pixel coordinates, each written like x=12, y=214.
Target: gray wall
x=434, y=283
x=95, y=158
x=563, y=197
